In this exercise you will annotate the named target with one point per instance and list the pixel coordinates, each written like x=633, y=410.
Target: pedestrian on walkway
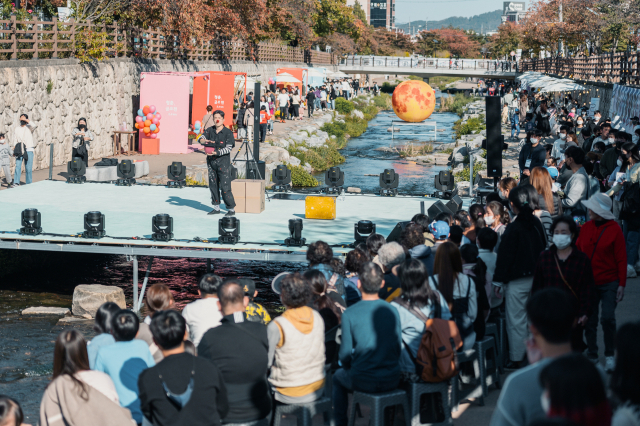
x=5, y=159
x=283, y=104
x=601, y=239
x=24, y=149
x=311, y=102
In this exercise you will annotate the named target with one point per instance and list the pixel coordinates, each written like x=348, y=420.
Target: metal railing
x=431, y=63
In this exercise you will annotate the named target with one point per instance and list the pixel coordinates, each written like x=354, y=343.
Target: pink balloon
x=139, y=119
x=153, y=135
x=154, y=120
x=152, y=109
x=149, y=116
x=158, y=116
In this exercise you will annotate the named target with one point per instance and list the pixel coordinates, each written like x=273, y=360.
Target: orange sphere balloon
x=147, y=130
x=145, y=110
x=147, y=123
x=413, y=101
x=156, y=130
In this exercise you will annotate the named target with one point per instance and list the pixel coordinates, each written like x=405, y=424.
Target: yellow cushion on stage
x=320, y=207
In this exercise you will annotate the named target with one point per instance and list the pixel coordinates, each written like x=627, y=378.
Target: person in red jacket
x=601, y=239
x=264, y=117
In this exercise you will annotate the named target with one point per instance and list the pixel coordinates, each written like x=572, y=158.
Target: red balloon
x=145, y=110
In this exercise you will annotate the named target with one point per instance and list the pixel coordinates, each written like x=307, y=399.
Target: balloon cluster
x=271, y=81
x=197, y=127
x=148, y=120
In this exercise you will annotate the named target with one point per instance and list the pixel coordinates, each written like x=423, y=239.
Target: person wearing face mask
x=596, y=121
x=24, y=137
x=567, y=268
x=82, y=138
x=551, y=314
x=219, y=142
x=578, y=131
x=630, y=162
x=636, y=137
x=602, y=240
x=577, y=188
x=609, y=159
x=5, y=159
x=531, y=155
x=560, y=145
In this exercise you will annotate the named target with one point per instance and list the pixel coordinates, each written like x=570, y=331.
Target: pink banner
x=169, y=93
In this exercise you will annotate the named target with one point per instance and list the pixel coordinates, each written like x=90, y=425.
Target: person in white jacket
x=24, y=135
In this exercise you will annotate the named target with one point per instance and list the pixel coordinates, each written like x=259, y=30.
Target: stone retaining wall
x=101, y=92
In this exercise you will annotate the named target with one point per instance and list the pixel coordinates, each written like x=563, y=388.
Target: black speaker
x=435, y=209
x=454, y=204
x=494, y=137
x=251, y=170
x=397, y=231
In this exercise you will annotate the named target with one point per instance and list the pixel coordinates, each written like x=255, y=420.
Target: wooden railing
x=619, y=68
x=56, y=39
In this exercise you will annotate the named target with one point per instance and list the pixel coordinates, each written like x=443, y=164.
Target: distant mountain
x=485, y=22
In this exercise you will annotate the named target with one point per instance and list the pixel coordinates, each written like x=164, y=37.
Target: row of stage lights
x=176, y=172
x=162, y=228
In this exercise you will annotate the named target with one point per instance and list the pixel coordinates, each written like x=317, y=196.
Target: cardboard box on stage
x=249, y=195
x=320, y=207
x=150, y=146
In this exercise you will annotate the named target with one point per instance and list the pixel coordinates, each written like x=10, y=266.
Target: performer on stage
x=221, y=140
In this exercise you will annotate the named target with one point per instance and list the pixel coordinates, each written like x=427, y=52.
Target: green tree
x=359, y=12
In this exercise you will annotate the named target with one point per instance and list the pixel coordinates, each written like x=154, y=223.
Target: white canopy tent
x=285, y=77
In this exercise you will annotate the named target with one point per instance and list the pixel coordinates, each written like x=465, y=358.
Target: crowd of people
x=360, y=324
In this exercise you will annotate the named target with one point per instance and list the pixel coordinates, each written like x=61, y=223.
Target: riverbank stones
x=46, y=310
x=87, y=298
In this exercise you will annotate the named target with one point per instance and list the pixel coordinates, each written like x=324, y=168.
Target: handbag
x=20, y=151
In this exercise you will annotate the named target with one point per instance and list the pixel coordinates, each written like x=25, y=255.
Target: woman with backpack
x=458, y=290
x=416, y=294
x=629, y=214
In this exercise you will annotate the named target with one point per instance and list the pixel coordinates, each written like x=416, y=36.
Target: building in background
x=380, y=13
x=513, y=11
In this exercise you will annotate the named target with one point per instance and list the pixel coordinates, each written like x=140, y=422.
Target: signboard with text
x=216, y=90
x=594, y=106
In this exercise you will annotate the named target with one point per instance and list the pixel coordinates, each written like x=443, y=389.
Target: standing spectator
x=416, y=294
x=497, y=217
x=102, y=326
x=311, y=102
x=242, y=129
x=371, y=342
x=574, y=391
x=272, y=111
x=24, y=138
x=283, y=104
x=532, y=155
x=239, y=349
x=474, y=267
x=577, y=188
x=296, y=346
x=625, y=379
x=547, y=199
x=295, y=103
x=543, y=120
x=487, y=240
x=204, y=313
x=353, y=262
x=601, y=239
x=391, y=255
x=520, y=246
x=182, y=389
x=542, y=215
x=551, y=315
x=78, y=395
x=5, y=159
x=125, y=360
x=567, y=268
x=82, y=138
x=248, y=120
x=457, y=289
x=505, y=186
x=631, y=221
x=319, y=255
x=264, y=118
x=207, y=119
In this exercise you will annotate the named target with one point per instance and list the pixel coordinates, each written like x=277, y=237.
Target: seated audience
x=371, y=342
x=102, y=326
x=78, y=395
x=182, y=389
x=159, y=298
x=374, y=242
x=456, y=235
x=391, y=255
x=423, y=220
x=203, y=314
x=354, y=260
x=10, y=411
x=474, y=266
x=320, y=255
x=125, y=360
x=416, y=294
x=329, y=309
x=487, y=240
x=440, y=231
x=255, y=311
x=296, y=345
x=412, y=239
x=551, y=319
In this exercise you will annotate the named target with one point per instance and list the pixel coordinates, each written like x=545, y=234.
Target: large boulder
x=87, y=298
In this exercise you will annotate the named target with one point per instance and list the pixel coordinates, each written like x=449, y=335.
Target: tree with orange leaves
x=454, y=40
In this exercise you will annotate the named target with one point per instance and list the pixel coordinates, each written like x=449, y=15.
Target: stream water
x=48, y=279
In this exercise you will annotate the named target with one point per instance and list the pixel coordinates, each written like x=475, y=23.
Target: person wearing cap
x=391, y=255
x=239, y=349
x=440, y=231
x=203, y=314
x=602, y=241
x=255, y=312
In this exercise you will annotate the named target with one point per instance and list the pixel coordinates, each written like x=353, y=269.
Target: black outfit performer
x=219, y=163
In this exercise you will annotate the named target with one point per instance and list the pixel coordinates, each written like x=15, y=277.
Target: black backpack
x=630, y=201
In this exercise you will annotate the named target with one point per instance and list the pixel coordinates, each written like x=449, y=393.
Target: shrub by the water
x=300, y=177
x=344, y=106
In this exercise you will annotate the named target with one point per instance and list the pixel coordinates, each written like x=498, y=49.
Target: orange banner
x=217, y=91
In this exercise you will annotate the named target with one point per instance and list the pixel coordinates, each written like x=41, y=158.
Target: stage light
x=362, y=230
x=126, y=173
x=389, y=180
x=295, y=234
x=162, y=227
x=94, y=225
x=334, y=179
x=30, y=220
x=177, y=174
x=229, y=230
x=444, y=184
x=281, y=177
x=76, y=169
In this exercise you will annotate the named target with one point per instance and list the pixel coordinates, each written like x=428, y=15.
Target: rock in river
x=87, y=298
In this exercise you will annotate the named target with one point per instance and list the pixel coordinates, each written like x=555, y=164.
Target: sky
x=435, y=10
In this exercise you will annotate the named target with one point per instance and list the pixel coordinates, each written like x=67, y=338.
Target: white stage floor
x=128, y=212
